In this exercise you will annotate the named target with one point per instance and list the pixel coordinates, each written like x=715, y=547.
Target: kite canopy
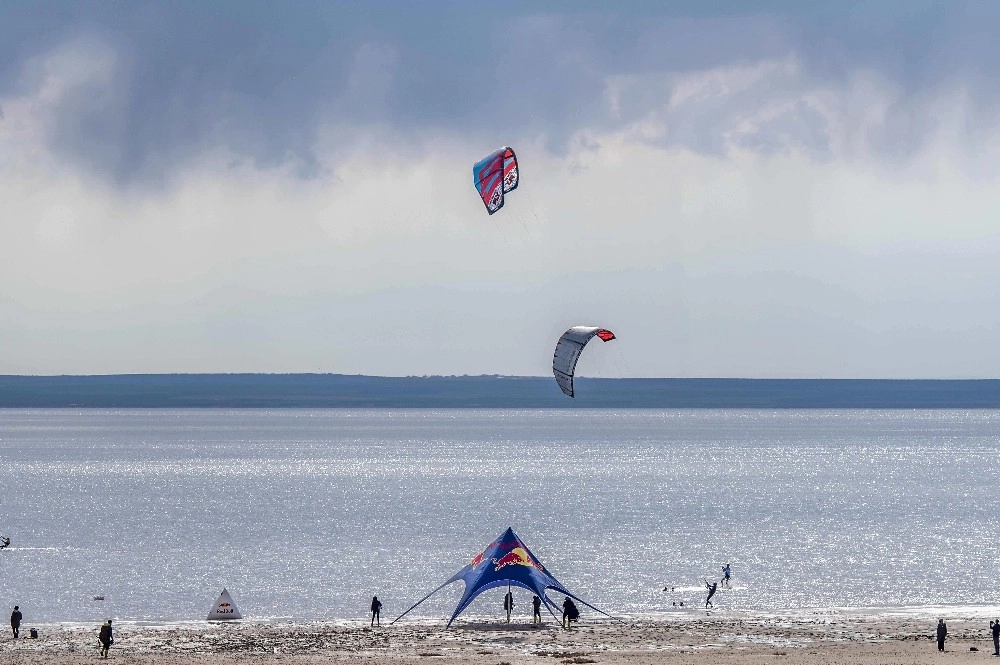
x=505, y=561
x=568, y=350
x=494, y=176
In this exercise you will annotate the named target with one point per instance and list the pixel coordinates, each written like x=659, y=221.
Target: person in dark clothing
x=376, y=608
x=106, y=638
x=536, y=603
x=508, y=604
x=570, y=613
x=942, y=632
x=15, y=621
x=711, y=592
x=995, y=629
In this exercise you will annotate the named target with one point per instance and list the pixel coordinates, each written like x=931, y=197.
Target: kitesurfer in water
x=4, y=542
x=726, y=574
x=711, y=592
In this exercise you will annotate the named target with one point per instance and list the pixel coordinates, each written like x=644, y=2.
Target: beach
x=814, y=637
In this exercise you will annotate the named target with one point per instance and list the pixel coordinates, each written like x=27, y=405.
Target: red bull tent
x=506, y=561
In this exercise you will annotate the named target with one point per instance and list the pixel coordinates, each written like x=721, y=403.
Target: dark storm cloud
x=261, y=78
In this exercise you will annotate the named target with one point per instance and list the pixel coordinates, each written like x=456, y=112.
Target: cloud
x=191, y=189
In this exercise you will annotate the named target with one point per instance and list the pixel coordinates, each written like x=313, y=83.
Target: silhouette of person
x=942, y=633
x=508, y=604
x=376, y=608
x=536, y=603
x=106, y=638
x=712, y=587
x=15, y=621
x=995, y=629
x=570, y=613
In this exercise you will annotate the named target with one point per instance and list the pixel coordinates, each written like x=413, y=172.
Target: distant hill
x=338, y=390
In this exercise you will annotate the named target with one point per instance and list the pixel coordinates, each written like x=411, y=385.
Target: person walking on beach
x=995, y=629
x=712, y=587
x=570, y=613
x=508, y=604
x=106, y=638
x=942, y=632
x=376, y=608
x=15, y=621
x=536, y=603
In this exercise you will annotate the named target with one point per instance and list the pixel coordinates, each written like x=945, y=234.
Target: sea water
x=306, y=514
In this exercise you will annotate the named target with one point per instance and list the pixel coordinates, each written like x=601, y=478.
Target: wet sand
x=858, y=638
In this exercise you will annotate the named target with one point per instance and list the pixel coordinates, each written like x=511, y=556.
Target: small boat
x=98, y=597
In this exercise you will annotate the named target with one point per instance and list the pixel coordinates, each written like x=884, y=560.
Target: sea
x=305, y=515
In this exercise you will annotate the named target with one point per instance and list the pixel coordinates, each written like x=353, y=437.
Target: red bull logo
x=516, y=557
x=476, y=560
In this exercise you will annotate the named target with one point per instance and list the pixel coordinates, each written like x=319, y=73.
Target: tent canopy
x=224, y=608
x=505, y=561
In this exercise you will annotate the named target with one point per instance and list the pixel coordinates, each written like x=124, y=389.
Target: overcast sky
x=768, y=189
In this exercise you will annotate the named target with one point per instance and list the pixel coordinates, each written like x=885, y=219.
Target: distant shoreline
x=280, y=391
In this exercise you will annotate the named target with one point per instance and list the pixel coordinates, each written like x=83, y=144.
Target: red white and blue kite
x=494, y=176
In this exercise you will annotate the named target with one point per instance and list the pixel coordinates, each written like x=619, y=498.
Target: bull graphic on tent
x=506, y=561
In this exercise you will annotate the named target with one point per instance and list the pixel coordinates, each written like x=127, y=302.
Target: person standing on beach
x=106, y=638
x=712, y=587
x=376, y=608
x=508, y=604
x=15, y=621
x=570, y=613
x=995, y=629
x=942, y=632
x=536, y=603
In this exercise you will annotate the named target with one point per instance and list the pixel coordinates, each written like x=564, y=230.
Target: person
x=995, y=629
x=376, y=608
x=570, y=613
x=106, y=638
x=4, y=542
x=712, y=587
x=508, y=604
x=727, y=572
x=15, y=621
x=536, y=603
x=942, y=632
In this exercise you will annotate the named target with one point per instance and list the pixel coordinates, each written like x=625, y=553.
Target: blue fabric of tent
x=505, y=561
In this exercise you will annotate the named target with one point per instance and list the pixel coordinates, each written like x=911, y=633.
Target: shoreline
x=830, y=636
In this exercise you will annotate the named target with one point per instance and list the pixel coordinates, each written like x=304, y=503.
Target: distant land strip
x=276, y=391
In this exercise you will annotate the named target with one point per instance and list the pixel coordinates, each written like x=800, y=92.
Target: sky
x=736, y=189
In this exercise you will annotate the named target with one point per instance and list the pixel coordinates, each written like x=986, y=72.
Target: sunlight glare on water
x=308, y=513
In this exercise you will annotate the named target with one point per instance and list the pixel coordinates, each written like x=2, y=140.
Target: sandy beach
x=819, y=638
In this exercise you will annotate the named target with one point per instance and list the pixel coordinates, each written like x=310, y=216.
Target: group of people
x=105, y=636
x=570, y=611
x=942, y=635
x=726, y=581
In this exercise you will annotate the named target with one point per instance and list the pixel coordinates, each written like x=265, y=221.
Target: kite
x=568, y=350
x=494, y=176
